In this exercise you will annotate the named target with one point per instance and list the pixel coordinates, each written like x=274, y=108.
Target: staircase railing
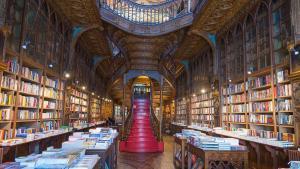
x=154, y=121
x=155, y=124
x=150, y=14
x=128, y=123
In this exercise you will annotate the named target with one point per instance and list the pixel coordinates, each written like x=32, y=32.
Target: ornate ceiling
x=141, y=52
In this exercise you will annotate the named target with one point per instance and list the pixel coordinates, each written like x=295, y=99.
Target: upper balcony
x=148, y=20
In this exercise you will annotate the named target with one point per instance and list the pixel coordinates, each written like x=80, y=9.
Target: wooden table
x=179, y=149
x=107, y=157
x=10, y=152
x=264, y=156
x=212, y=159
x=176, y=128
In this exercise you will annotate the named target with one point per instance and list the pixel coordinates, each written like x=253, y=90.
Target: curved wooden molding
x=146, y=30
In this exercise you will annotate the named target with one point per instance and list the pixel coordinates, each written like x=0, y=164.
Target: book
x=6, y=114
x=30, y=88
x=31, y=74
x=13, y=66
x=9, y=82
x=50, y=82
x=27, y=101
x=27, y=115
x=50, y=93
x=6, y=98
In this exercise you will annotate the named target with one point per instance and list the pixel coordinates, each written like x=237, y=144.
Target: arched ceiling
x=162, y=53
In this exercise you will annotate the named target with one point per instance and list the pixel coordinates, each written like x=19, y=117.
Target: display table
x=264, y=153
x=177, y=127
x=212, y=159
x=108, y=157
x=179, y=152
x=26, y=147
x=11, y=151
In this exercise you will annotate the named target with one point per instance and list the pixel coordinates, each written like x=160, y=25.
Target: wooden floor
x=148, y=160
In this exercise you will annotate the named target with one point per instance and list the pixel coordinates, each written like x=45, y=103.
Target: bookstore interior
x=149, y=84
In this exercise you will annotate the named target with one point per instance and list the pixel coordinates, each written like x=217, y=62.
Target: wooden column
x=295, y=13
x=123, y=105
x=295, y=70
x=160, y=107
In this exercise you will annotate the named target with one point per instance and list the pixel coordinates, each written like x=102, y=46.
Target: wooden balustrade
x=148, y=20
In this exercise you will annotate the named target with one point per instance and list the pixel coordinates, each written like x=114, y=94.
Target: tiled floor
x=148, y=160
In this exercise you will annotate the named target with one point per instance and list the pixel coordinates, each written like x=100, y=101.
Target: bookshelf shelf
x=261, y=81
x=202, y=110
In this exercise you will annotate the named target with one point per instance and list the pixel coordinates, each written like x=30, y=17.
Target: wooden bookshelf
x=78, y=106
x=95, y=109
x=257, y=58
x=234, y=105
x=106, y=108
x=31, y=95
x=117, y=113
x=202, y=113
x=181, y=111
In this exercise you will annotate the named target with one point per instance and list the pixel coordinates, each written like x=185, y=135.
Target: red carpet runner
x=141, y=138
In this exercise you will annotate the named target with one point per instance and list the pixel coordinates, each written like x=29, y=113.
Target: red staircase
x=141, y=138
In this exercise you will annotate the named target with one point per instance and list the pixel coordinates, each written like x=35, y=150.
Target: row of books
x=285, y=119
x=77, y=108
x=284, y=90
x=13, y=66
x=284, y=105
x=235, y=99
x=6, y=98
x=281, y=105
x=5, y=134
x=50, y=82
x=282, y=75
x=202, y=117
x=201, y=97
x=271, y=134
x=261, y=118
x=79, y=94
x=50, y=115
x=240, y=108
x=236, y=88
x=30, y=88
x=50, y=93
x=50, y=125
x=49, y=104
x=75, y=100
x=27, y=115
x=203, y=111
x=27, y=101
x=260, y=81
x=23, y=131
x=261, y=106
x=237, y=118
x=261, y=94
x=9, y=82
x=207, y=103
x=31, y=74
x=6, y=114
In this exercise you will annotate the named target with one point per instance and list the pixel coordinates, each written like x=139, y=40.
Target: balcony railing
x=149, y=14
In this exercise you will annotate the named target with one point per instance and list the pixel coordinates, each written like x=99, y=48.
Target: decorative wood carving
x=146, y=30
